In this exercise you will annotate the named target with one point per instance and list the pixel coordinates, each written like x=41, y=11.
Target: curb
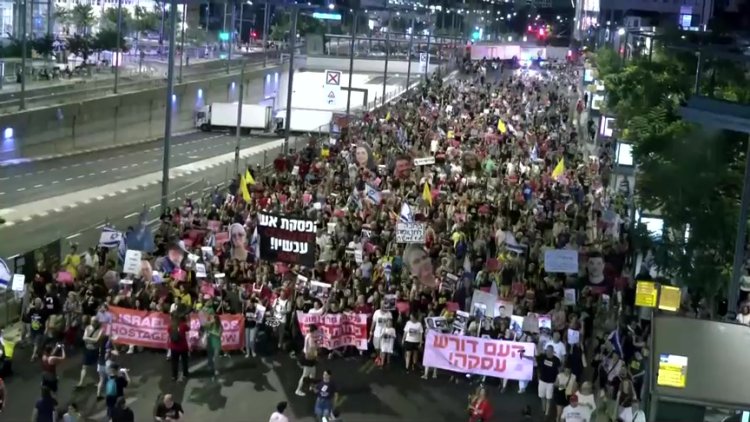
x=177, y=173
x=18, y=161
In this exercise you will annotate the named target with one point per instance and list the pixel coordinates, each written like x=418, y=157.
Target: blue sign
x=327, y=16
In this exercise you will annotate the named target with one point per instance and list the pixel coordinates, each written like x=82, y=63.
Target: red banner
x=151, y=329
x=337, y=330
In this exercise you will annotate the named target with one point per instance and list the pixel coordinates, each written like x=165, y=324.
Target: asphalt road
x=83, y=223
x=27, y=182
x=248, y=390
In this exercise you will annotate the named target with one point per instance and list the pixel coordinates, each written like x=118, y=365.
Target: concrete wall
x=118, y=119
x=364, y=65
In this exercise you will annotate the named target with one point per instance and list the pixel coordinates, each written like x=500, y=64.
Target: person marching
x=309, y=359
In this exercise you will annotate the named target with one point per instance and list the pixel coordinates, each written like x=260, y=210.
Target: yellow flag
x=501, y=126
x=243, y=189
x=427, y=194
x=249, y=178
x=559, y=169
x=388, y=116
x=325, y=152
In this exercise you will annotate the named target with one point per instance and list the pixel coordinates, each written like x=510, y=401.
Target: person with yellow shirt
x=72, y=261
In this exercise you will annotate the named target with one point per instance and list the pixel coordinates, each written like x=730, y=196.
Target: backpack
x=111, y=387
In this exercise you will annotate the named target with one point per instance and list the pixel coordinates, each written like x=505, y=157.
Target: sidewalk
x=11, y=87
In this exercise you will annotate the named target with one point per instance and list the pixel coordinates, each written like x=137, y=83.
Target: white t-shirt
x=743, y=319
x=559, y=349
x=379, y=318
x=413, y=332
x=278, y=417
x=280, y=309
x=576, y=414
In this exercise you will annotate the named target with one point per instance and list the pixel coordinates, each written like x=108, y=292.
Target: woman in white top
x=586, y=396
x=565, y=386
x=379, y=319
x=412, y=341
x=387, y=340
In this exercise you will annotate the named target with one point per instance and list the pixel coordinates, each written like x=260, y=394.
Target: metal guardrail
x=84, y=89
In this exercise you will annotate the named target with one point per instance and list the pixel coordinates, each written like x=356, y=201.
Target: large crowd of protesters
x=514, y=172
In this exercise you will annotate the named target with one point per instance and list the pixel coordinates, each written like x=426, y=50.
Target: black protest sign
x=287, y=239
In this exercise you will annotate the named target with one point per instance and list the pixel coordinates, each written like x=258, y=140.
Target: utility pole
x=290, y=83
x=266, y=18
x=427, y=58
x=408, y=54
x=387, y=53
x=239, y=120
x=118, y=53
x=231, y=38
x=351, y=65
x=182, y=38
x=169, y=108
x=22, y=99
x=739, y=243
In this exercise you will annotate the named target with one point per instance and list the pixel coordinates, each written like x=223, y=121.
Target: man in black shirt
x=168, y=410
x=548, y=368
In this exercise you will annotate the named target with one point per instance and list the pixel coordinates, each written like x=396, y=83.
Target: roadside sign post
x=423, y=60
x=332, y=87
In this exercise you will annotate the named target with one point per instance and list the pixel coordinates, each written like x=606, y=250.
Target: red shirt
x=481, y=412
x=181, y=345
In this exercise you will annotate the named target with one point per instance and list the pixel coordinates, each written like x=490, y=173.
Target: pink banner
x=337, y=330
x=472, y=355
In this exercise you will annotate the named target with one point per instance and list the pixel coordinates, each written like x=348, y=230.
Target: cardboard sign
x=410, y=232
x=561, y=261
x=132, y=264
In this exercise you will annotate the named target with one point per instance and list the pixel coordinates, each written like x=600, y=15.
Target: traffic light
x=476, y=35
x=223, y=36
x=253, y=34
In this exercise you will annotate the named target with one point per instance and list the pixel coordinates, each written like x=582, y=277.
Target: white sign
x=425, y=161
x=132, y=263
x=200, y=271
x=410, y=232
x=19, y=280
x=423, y=60
x=569, y=297
x=561, y=261
x=332, y=86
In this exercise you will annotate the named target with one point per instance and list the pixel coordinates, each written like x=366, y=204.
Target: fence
x=49, y=256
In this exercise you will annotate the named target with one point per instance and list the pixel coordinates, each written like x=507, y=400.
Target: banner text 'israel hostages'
x=287, y=239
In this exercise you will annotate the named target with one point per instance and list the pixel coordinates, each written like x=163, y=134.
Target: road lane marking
x=54, y=182
x=38, y=186
x=72, y=236
x=103, y=171
x=68, y=179
x=20, y=189
x=81, y=176
x=131, y=215
x=100, y=226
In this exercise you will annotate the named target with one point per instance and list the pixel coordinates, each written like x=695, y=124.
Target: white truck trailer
x=223, y=116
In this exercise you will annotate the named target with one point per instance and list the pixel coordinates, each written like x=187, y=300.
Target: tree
x=693, y=177
x=106, y=40
x=14, y=49
x=44, y=45
x=81, y=46
x=108, y=20
x=82, y=17
x=62, y=16
x=145, y=20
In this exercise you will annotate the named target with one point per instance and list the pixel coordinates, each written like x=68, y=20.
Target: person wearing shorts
x=309, y=359
x=548, y=367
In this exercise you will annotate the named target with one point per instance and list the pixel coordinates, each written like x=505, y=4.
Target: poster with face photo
x=319, y=289
x=503, y=308
x=301, y=283
x=449, y=283
x=437, y=324
x=516, y=324
x=389, y=302
x=460, y=322
x=478, y=310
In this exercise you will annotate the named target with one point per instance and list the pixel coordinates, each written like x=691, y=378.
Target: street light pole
x=290, y=83
x=266, y=17
x=351, y=66
x=182, y=38
x=240, y=30
x=231, y=38
x=427, y=57
x=118, y=57
x=22, y=99
x=239, y=121
x=169, y=108
x=387, y=53
x=408, y=54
